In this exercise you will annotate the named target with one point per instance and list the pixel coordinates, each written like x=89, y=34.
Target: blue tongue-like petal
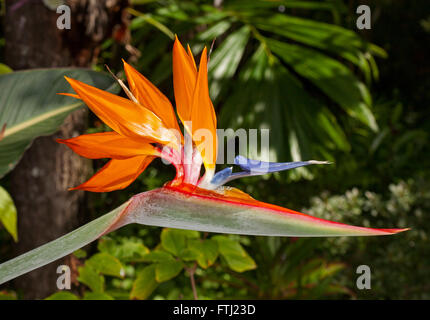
x=220, y=177
x=255, y=168
x=263, y=167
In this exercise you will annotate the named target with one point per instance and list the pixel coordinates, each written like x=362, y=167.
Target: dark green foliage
x=124, y=268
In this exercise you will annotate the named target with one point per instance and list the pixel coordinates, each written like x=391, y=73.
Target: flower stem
x=191, y=271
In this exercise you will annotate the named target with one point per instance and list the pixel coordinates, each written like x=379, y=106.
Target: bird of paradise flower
x=145, y=127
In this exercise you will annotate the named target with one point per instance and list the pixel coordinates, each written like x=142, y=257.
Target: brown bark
x=39, y=183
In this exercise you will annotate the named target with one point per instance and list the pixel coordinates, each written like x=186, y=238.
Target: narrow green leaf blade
x=58, y=248
x=176, y=208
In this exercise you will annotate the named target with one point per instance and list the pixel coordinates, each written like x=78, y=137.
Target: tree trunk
x=40, y=182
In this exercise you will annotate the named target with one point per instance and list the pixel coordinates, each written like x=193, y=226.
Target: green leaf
x=167, y=270
x=206, y=251
x=174, y=240
x=58, y=248
x=321, y=35
x=96, y=296
x=225, y=59
x=4, y=69
x=158, y=256
x=256, y=7
x=106, y=264
x=332, y=38
x=8, y=216
x=236, y=257
x=213, y=31
x=189, y=255
x=329, y=75
x=30, y=106
x=62, y=295
x=173, y=208
x=80, y=254
x=148, y=18
x=306, y=128
x=128, y=250
x=90, y=277
x=144, y=284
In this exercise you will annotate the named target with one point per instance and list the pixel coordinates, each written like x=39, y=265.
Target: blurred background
x=325, y=89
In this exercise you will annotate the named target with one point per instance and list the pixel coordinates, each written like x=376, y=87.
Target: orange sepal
x=191, y=57
x=122, y=115
x=150, y=97
x=108, y=145
x=69, y=95
x=184, y=80
x=116, y=174
x=203, y=116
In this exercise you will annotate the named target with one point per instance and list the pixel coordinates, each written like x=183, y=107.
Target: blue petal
x=255, y=168
x=221, y=176
x=263, y=167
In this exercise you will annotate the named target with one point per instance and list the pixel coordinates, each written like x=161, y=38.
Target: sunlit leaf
x=225, y=60
x=167, y=270
x=8, y=216
x=158, y=256
x=205, y=251
x=106, y=264
x=91, y=278
x=329, y=75
x=174, y=241
x=237, y=258
x=4, y=69
x=306, y=125
x=128, y=250
x=144, y=284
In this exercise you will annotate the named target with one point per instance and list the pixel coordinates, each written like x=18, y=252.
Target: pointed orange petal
x=203, y=116
x=150, y=97
x=184, y=81
x=191, y=57
x=108, y=145
x=123, y=115
x=116, y=174
x=69, y=95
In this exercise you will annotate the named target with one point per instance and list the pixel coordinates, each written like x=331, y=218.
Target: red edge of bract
x=191, y=190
